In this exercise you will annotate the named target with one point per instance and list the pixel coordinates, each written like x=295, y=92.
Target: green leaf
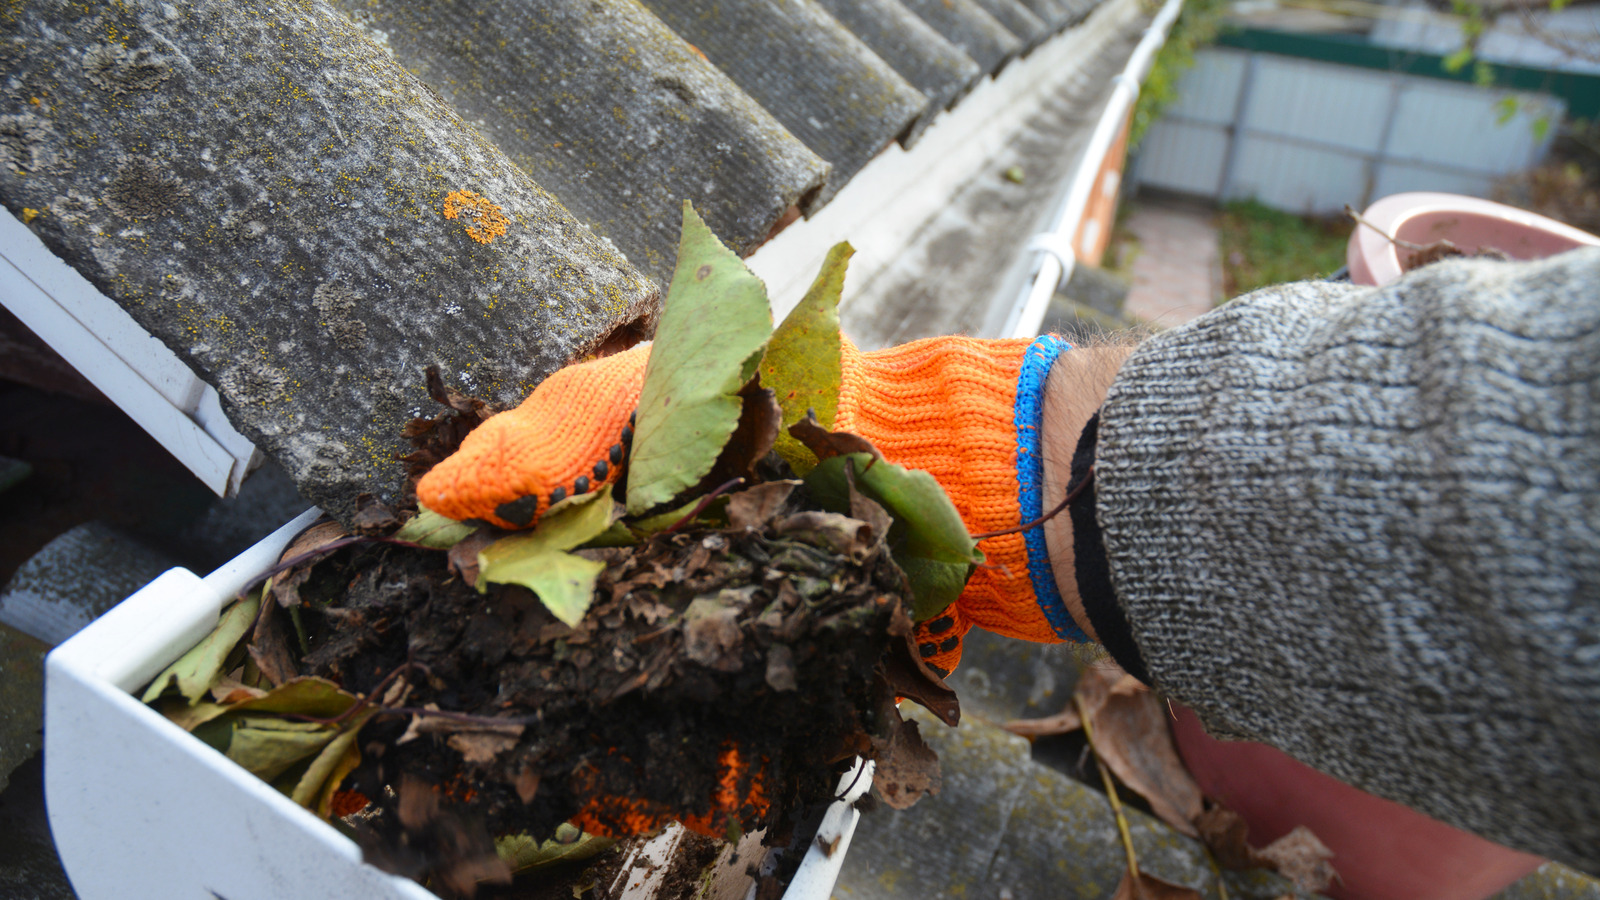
x=431, y=529
x=1458, y=60
x=339, y=758
x=267, y=745
x=521, y=852
x=538, y=559
x=617, y=535
x=307, y=696
x=196, y=671
x=1541, y=127
x=802, y=366
x=651, y=525
x=708, y=345
x=1505, y=109
x=928, y=540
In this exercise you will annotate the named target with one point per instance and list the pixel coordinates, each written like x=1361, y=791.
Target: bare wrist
x=1073, y=392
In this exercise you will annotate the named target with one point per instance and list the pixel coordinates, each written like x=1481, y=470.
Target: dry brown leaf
x=909, y=677
x=373, y=516
x=839, y=533
x=906, y=767
x=286, y=585
x=711, y=635
x=1303, y=859
x=754, y=507
x=868, y=510
x=463, y=556
x=480, y=746
x=825, y=443
x=1299, y=856
x=1152, y=888
x=230, y=690
x=1222, y=830
x=269, y=647
x=760, y=417
x=1132, y=734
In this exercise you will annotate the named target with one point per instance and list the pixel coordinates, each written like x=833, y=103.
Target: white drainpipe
x=1058, y=256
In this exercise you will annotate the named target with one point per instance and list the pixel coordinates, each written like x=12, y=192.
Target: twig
x=1398, y=242
x=295, y=560
x=1072, y=495
x=704, y=502
x=1111, y=793
x=287, y=564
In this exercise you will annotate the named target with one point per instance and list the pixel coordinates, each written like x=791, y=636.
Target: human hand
x=966, y=410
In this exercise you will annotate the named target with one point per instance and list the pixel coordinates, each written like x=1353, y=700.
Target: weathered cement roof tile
x=965, y=24
x=1055, y=14
x=1016, y=18
x=610, y=111
x=932, y=64
x=270, y=194
x=813, y=75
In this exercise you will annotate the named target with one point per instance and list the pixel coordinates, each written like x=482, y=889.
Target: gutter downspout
x=1059, y=258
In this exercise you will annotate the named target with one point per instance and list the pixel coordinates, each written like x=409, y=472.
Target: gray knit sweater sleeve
x=1363, y=525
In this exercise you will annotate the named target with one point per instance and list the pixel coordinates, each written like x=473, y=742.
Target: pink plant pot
x=1382, y=850
x=1468, y=222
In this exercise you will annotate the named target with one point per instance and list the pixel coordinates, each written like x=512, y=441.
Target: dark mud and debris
x=764, y=633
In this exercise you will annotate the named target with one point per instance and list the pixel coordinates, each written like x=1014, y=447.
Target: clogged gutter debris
x=469, y=703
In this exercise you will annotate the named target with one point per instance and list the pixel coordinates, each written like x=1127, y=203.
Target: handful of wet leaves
x=711, y=642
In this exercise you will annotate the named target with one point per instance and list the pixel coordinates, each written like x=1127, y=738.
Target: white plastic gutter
x=1058, y=254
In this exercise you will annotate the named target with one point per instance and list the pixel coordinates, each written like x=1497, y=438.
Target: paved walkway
x=1177, y=274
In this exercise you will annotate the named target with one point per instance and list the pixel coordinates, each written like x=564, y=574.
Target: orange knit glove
x=964, y=409
x=569, y=437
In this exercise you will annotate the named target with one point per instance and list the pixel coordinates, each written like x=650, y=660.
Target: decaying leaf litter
x=710, y=641
x=1129, y=734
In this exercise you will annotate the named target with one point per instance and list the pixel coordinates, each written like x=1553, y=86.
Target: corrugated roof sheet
x=809, y=71
x=269, y=194
x=267, y=188
x=1017, y=19
x=611, y=111
x=965, y=24
x=930, y=63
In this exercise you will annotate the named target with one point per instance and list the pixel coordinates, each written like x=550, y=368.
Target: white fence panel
x=1397, y=178
x=1210, y=91
x=1292, y=176
x=1185, y=156
x=1309, y=136
x=1458, y=125
x=1328, y=104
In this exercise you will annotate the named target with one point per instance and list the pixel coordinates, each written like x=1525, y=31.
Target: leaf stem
x=704, y=502
x=1111, y=791
x=1398, y=242
x=350, y=540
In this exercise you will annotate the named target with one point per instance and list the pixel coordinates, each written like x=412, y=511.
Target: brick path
x=1178, y=272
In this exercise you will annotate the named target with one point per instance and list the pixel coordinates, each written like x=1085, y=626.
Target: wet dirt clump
x=721, y=677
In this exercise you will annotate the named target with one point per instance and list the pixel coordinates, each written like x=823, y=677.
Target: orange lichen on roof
x=484, y=220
